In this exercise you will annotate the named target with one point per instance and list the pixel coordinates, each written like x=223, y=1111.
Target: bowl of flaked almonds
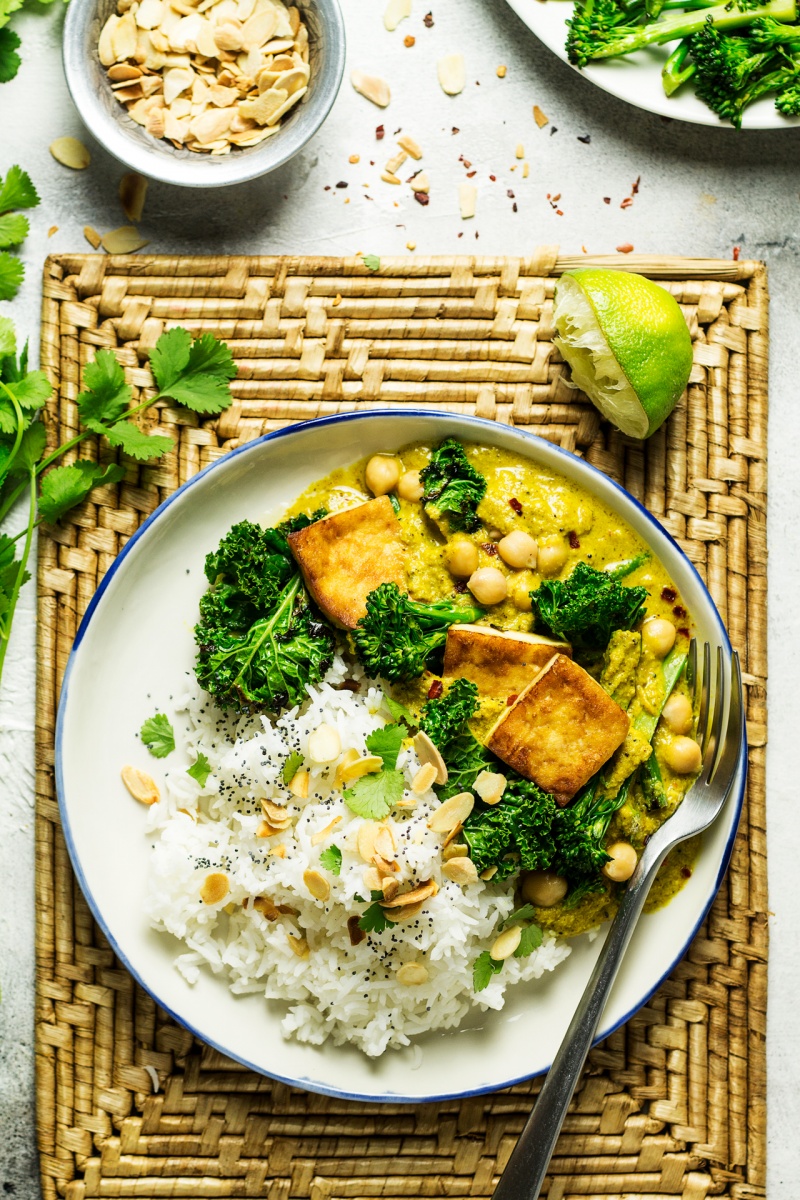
x=204, y=93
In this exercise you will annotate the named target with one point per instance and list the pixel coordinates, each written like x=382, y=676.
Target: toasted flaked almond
x=452, y=835
x=298, y=945
x=125, y=240
x=279, y=851
x=454, y=850
x=317, y=884
x=223, y=97
x=395, y=12
x=149, y=14
x=174, y=128
x=124, y=73
x=520, y=151
x=92, y=237
x=390, y=887
x=132, y=194
x=204, y=40
x=424, y=778
x=461, y=870
x=395, y=162
x=409, y=913
x=427, y=753
x=259, y=28
x=467, y=195
x=412, y=974
x=123, y=37
x=155, y=122
x=264, y=905
x=452, y=812
x=490, y=786
x=421, y=183
x=321, y=834
x=177, y=80
x=539, y=117
x=360, y=766
x=324, y=744
x=504, y=946
x=451, y=74
x=215, y=888
x=387, y=177
x=293, y=81
x=70, y=153
x=288, y=103
x=349, y=757
x=228, y=35
x=141, y=785
x=384, y=844
x=129, y=93
x=372, y=87
x=267, y=830
x=386, y=866
x=373, y=880
x=365, y=840
x=264, y=107
x=276, y=813
x=409, y=145
x=422, y=891
x=211, y=125
x=354, y=930
x=409, y=803
x=526, y=170
x=299, y=784
x=489, y=873
x=105, y=46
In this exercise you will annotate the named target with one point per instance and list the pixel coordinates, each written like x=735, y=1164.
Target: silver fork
x=721, y=734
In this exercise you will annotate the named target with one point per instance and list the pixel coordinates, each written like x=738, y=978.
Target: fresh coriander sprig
x=16, y=192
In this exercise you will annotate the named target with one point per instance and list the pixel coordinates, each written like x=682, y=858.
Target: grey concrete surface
x=702, y=191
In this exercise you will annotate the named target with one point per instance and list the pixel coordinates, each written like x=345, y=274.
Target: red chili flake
x=556, y=197
x=635, y=187
x=422, y=198
x=669, y=594
x=573, y=540
x=460, y=234
x=586, y=139
x=455, y=129
x=471, y=174
x=427, y=20
x=627, y=202
x=465, y=161
x=490, y=548
x=625, y=248
x=559, y=212
x=512, y=699
x=606, y=199
x=515, y=504
x=380, y=133
x=342, y=183
x=679, y=611
x=435, y=690
x=683, y=631
x=736, y=252
x=327, y=187
x=493, y=178
x=510, y=194
x=460, y=587
x=686, y=872
x=514, y=206
x=348, y=685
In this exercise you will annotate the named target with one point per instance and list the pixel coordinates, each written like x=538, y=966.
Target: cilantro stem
x=8, y=618
x=19, y=432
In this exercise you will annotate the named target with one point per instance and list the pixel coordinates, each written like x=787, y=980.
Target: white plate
x=135, y=644
x=637, y=77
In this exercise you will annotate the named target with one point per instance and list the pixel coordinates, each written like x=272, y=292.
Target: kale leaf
x=587, y=607
x=443, y=718
x=515, y=834
x=453, y=488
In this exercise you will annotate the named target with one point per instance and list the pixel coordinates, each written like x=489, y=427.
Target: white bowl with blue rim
x=135, y=644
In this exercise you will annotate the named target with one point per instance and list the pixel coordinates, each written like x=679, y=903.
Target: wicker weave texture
x=671, y=1105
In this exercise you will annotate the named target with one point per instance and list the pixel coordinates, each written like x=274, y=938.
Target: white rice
x=348, y=993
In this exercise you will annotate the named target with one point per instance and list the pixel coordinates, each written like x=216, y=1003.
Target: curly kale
x=453, y=488
x=587, y=607
x=444, y=718
x=580, y=829
x=514, y=835
x=259, y=642
x=397, y=636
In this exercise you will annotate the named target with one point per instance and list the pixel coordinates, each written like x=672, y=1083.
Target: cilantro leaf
x=371, y=262
x=526, y=913
x=193, y=373
x=14, y=228
x=374, y=796
x=8, y=340
x=292, y=765
x=17, y=191
x=11, y=275
x=200, y=770
x=107, y=395
x=531, y=940
x=483, y=969
x=64, y=487
x=135, y=442
x=10, y=61
x=31, y=448
x=386, y=743
x=32, y=391
x=374, y=919
x=331, y=860
x=158, y=735
x=398, y=710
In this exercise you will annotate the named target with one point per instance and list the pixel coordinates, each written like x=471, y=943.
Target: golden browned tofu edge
x=527, y=736
x=345, y=556
x=498, y=662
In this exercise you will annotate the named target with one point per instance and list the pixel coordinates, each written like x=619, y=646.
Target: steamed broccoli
x=397, y=636
x=259, y=643
x=676, y=70
x=445, y=717
x=453, y=488
x=587, y=607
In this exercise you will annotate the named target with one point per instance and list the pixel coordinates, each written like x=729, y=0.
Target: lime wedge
x=627, y=344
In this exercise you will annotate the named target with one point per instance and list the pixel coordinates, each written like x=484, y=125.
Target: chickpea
x=518, y=549
x=409, y=486
x=677, y=714
x=488, y=585
x=658, y=636
x=552, y=557
x=461, y=557
x=622, y=862
x=382, y=474
x=543, y=888
x=683, y=755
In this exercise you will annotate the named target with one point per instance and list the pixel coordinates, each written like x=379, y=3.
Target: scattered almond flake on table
x=407, y=143
x=132, y=194
x=70, y=153
x=451, y=74
x=395, y=162
x=53, y=229
x=420, y=182
x=539, y=117
x=411, y=245
x=372, y=87
x=395, y=12
x=520, y=151
x=125, y=240
x=526, y=170
x=467, y=196
x=92, y=237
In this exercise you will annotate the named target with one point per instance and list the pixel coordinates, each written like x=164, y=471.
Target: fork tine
x=705, y=697
x=691, y=666
x=712, y=736
x=729, y=758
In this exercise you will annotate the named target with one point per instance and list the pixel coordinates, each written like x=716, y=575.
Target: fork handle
x=527, y=1167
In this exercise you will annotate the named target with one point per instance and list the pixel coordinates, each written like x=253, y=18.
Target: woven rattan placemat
x=673, y=1104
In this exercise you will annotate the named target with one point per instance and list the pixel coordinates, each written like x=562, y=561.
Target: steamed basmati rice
x=346, y=992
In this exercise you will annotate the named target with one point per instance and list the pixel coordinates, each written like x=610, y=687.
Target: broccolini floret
x=453, y=488
x=398, y=635
x=587, y=607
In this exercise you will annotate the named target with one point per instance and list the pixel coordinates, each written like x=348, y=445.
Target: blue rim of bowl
x=248, y=447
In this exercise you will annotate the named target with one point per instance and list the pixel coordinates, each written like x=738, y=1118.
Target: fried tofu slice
x=347, y=555
x=499, y=663
x=561, y=729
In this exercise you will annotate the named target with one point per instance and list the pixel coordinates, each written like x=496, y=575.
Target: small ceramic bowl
x=107, y=120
